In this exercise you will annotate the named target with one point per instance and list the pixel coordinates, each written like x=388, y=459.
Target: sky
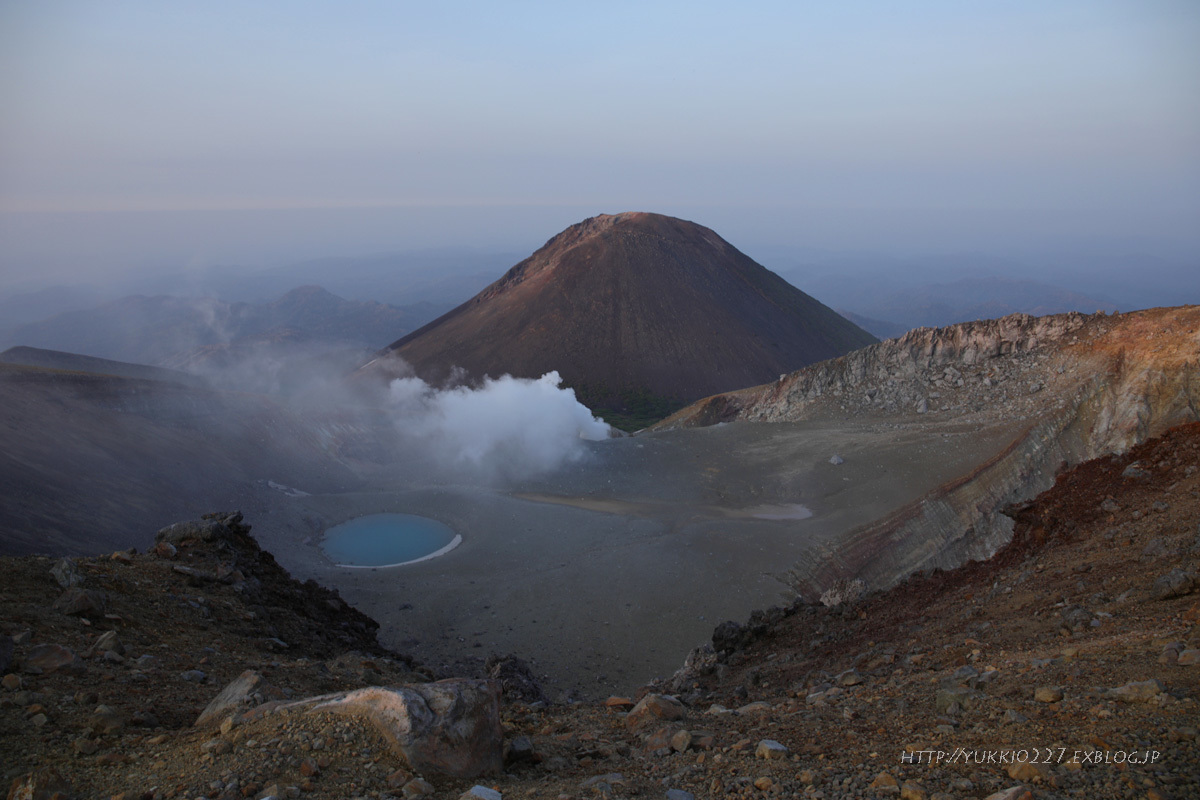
x=175, y=134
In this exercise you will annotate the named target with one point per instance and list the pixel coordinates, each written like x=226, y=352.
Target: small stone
x=84, y=746
x=1135, y=472
x=480, y=793
x=164, y=550
x=654, y=707
x=44, y=658
x=850, y=678
x=912, y=790
x=66, y=573
x=886, y=783
x=394, y=780
x=836, y=460
x=1027, y=772
x=193, y=676
x=108, y=642
x=43, y=783
x=1012, y=793
x=1188, y=658
x=619, y=702
x=11, y=682
x=1175, y=583
x=1048, y=694
x=763, y=784
x=659, y=742
x=417, y=787
x=81, y=602
x=679, y=794
x=770, y=749
x=1012, y=717
x=681, y=741
x=1138, y=691
x=520, y=749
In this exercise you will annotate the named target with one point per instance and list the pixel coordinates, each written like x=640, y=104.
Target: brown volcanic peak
x=633, y=303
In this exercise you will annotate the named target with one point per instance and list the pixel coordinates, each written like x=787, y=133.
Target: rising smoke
x=503, y=428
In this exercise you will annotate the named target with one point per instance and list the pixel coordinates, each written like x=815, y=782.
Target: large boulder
x=233, y=698
x=81, y=602
x=450, y=727
x=652, y=709
x=204, y=530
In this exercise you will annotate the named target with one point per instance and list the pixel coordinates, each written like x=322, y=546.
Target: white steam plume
x=505, y=427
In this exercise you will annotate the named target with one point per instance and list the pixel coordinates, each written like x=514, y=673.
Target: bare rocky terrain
x=1076, y=647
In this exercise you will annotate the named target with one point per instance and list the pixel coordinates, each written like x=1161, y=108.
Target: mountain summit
x=630, y=305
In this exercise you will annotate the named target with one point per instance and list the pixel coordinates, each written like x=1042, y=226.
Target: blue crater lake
x=387, y=540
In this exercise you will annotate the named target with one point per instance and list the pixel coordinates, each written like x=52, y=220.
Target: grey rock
x=652, y=708
x=1188, y=658
x=836, y=460
x=417, y=787
x=236, y=696
x=193, y=676
x=45, y=658
x=66, y=573
x=480, y=793
x=450, y=727
x=1175, y=583
x=679, y=794
x=204, y=530
x=108, y=642
x=1048, y=694
x=1135, y=472
x=81, y=602
x=964, y=697
x=520, y=749
x=770, y=749
x=1138, y=691
x=850, y=677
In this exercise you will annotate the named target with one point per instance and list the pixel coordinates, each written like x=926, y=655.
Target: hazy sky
x=849, y=124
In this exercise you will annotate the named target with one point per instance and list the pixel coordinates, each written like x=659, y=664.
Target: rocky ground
x=1075, y=647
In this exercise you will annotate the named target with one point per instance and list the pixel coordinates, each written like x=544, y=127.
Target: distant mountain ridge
x=175, y=331
x=888, y=309
x=629, y=304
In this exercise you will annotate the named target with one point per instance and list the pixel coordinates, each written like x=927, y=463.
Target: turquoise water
x=381, y=540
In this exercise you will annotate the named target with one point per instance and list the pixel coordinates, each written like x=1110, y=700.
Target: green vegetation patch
x=629, y=408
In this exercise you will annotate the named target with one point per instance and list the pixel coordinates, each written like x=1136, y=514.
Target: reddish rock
x=653, y=708
x=48, y=658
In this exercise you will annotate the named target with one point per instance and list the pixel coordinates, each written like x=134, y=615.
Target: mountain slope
x=628, y=304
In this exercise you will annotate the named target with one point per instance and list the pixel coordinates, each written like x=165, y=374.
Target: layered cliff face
x=1077, y=386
